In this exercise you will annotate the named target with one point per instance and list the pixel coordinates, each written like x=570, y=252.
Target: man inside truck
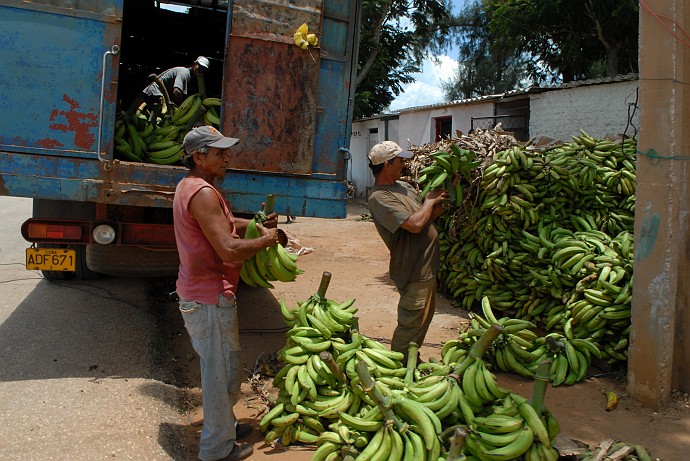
x=175, y=81
x=212, y=250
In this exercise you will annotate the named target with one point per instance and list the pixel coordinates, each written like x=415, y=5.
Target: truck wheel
x=132, y=261
x=82, y=269
x=54, y=275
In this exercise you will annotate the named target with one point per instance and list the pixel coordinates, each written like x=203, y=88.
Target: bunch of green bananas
x=368, y=434
x=310, y=392
x=513, y=429
x=157, y=137
x=383, y=364
x=211, y=115
x=271, y=264
x=398, y=412
x=442, y=172
x=548, y=236
x=519, y=350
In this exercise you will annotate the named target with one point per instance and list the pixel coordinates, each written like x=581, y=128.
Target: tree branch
x=376, y=49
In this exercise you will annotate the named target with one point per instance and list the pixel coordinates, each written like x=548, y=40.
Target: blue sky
x=427, y=86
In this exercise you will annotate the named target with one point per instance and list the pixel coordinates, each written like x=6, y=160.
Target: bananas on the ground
x=547, y=236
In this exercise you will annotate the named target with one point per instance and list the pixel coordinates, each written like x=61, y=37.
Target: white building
x=599, y=107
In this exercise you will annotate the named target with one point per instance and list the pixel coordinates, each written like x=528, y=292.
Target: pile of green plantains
x=354, y=399
x=156, y=135
x=546, y=234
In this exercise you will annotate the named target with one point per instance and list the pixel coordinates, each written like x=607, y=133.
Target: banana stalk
x=332, y=365
x=384, y=402
x=457, y=442
x=541, y=381
x=412, y=350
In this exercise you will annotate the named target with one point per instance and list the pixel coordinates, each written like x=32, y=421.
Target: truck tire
x=82, y=268
x=132, y=261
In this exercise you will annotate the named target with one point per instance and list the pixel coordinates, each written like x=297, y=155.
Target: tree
x=395, y=36
x=486, y=65
x=577, y=39
x=505, y=43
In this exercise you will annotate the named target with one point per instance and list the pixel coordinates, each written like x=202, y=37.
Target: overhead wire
x=662, y=18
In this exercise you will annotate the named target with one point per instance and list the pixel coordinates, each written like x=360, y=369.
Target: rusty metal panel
x=270, y=98
x=51, y=75
x=275, y=20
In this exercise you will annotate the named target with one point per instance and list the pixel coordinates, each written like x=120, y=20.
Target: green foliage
x=395, y=36
x=487, y=66
x=508, y=43
x=570, y=37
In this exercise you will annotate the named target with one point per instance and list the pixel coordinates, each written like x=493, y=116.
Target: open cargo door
x=291, y=107
x=45, y=47
x=271, y=86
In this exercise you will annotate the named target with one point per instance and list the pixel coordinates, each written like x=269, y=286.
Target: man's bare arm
x=206, y=209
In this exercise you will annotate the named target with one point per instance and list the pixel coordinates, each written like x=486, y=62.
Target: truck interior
x=159, y=35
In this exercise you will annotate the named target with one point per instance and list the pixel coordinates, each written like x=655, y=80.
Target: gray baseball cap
x=206, y=136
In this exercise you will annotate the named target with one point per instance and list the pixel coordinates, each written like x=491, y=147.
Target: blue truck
x=70, y=67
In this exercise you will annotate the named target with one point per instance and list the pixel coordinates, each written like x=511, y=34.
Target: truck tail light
x=37, y=230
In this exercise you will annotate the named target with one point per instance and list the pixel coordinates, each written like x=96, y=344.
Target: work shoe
x=239, y=451
x=242, y=431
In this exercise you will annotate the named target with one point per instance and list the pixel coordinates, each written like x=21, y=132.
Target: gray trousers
x=214, y=333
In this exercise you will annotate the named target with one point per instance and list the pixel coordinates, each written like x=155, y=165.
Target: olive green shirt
x=414, y=257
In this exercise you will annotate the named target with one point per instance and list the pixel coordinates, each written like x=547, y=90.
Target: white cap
x=202, y=61
x=386, y=150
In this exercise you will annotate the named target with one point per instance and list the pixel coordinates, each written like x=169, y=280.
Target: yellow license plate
x=51, y=259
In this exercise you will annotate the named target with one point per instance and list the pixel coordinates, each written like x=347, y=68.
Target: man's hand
x=438, y=198
x=271, y=221
x=272, y=234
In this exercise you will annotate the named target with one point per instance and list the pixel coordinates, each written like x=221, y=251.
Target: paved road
x=80, y=374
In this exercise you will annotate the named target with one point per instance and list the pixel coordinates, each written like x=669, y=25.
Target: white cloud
x=427, y=88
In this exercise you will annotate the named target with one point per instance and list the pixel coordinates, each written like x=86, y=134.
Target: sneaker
x=239, y=451
x=242, y=431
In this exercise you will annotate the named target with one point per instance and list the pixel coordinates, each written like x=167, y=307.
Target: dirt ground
x=352, y=252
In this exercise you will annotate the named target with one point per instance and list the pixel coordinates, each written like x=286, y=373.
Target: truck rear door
x=52, y=54
x=291, y=107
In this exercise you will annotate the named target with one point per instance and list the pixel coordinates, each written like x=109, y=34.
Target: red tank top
x=202, y=275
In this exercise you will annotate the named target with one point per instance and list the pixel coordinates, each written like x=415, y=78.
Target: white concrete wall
x=415, y=127
x=360, y=143
x=418, y=127
x=597, y=109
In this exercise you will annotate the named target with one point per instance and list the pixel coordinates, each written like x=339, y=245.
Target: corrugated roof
x=593, y=81
x=515, y=92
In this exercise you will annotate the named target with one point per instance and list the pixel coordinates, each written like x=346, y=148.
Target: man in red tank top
x=212, y=250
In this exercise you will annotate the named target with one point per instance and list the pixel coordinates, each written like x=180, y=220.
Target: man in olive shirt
x=406, y=226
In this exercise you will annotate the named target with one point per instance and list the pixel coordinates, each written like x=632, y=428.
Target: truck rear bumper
x=40, y=230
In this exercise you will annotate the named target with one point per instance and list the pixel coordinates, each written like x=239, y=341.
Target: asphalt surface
x=82, y=370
